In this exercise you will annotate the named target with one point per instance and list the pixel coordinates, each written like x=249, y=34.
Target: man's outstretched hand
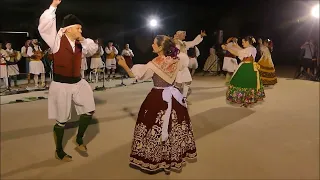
x=55, y=3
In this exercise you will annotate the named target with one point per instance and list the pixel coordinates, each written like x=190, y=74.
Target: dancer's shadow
x=240, y=105
x=99, y=101
x=72, y=125
x=50, y=163
x=203, y=124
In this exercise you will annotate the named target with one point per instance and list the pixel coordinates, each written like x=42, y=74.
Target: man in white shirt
x=24, y=54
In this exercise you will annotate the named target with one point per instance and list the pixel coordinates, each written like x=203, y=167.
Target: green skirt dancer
x=245, y=87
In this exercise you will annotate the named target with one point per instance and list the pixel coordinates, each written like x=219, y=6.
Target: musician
x=96, y=60
x=4, y=57
x=67, y=85
x=36, y=66
x=24, y=54
x=127, y=53
x=13, y=69
x=111, y=63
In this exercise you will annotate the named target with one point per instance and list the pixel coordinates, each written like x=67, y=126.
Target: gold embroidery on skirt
x=147, y=144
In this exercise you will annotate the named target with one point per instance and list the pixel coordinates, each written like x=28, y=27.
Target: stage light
x=153, y=23
x=315, y=11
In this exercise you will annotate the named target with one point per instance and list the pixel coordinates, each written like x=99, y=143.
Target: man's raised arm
x=196, y=41
x=47, y=24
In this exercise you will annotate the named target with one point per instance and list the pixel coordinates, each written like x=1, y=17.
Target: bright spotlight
x=315, y=11
x=153, y=23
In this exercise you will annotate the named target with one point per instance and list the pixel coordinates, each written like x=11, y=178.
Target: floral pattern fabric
x=148, y=151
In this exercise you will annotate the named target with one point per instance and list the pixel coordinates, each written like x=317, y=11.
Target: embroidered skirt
x=149, y=153
x=243, y=86
x=267, y=71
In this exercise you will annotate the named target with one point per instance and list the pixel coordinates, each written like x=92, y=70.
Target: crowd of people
x=39, y=62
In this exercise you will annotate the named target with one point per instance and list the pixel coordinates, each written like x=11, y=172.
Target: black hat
x=69, y=20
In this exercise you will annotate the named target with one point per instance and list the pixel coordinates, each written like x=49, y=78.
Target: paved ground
x=278, y=139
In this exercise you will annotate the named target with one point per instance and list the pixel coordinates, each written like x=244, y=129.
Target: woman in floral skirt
x=245, y=85
x=163, y=136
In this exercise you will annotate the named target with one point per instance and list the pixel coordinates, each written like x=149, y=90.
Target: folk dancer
x=67, y=84
x=184, y=78
x=193, y=54
x=211, y=65
x=36, y=66
x=4, y=58
x=245, y=85
x=24, y=54
x=230, y=63
x=111, y=63
x=13, y=69
x=163, y=137
x=96, y=60
x=267, y=70
x=259, y=52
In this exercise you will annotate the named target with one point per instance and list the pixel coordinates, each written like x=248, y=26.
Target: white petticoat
x=230, y=64
x=3, y=71
x=184, y=75
x=36, y=67
x=193, y=64
x=96, y=63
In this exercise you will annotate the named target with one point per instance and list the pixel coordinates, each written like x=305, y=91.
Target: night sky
x=286, y=22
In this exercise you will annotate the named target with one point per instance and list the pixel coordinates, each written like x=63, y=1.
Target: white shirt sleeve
x=24, y=51
x=197, y=51
x=116, y=51
x=195, y=42
x=131, y=52
x=247, y=52
x=101, y=51
x=108, y=51
x=123, y=52
x=89, y=46
x=48, y=28
x=142, y=72
x=29, y=51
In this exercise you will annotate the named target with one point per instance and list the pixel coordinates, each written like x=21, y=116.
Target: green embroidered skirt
x=243, y=86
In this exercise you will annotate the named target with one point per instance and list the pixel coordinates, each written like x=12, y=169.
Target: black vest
x=192, y=52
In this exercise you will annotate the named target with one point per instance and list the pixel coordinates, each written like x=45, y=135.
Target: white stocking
x=82, y=73
x=43, y=78
x=185, y=90
x=36, y=77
